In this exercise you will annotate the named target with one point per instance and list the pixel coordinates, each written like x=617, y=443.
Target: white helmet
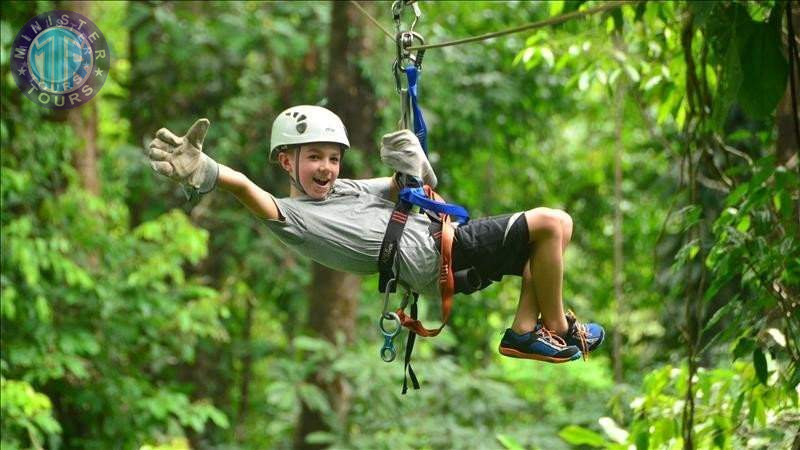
x=304, y=124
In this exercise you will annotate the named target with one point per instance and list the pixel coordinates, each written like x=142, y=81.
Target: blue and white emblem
x=60, y=59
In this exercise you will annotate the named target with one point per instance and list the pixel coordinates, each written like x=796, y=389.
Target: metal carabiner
x=398, y=81
x=397, y=12
x=390, y=286
x=417, y=13
x=388, y=352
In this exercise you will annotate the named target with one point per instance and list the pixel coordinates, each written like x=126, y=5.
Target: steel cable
x=531, y=26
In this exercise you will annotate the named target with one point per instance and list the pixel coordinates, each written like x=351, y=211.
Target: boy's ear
x=285, y=160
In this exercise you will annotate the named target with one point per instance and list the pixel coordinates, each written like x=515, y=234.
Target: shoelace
x=552, y=337
x=582, y=334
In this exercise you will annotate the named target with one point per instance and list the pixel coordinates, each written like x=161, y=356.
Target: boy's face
x=319, y=167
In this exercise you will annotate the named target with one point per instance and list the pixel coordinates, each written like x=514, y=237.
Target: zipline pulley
x=403, y=41
x=407, y=60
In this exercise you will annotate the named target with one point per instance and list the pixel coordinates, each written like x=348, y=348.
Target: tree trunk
x=83, y=120
x=786, y=119
x=332, y=307
x=84, y=123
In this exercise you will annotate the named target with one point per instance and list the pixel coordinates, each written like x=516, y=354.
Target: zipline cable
x=543, y=23
x=373, y=20
x=531, y=26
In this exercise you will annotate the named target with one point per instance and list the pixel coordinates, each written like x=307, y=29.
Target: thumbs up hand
x=182, y=158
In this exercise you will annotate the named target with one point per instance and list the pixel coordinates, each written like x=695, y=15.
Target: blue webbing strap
x=416, y=196
x=420, y=129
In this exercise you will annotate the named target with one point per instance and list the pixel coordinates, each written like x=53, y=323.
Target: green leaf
x=718, y=315
x=743, y=347
x=7, y=307
x=760, y=363
x=42, y=309
x=314, y=398
x=508, y=442
x=743, y=224
x=728, y=87
x=736, y=194
x=577, y=435
x=320, y=437
x=795, y=379
x=719, y=436
x=556, y=7
x=737, y=408
x=764, y=71
x=642, y=440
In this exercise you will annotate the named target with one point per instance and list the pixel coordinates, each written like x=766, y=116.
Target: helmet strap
x=296, y=178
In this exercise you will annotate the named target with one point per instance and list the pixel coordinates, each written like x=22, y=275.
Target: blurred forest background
x=132, y=319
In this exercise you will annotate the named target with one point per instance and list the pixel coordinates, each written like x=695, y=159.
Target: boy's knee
x=566, y=223
x=546, y=223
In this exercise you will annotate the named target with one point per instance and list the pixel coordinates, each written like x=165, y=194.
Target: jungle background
x=133, y=319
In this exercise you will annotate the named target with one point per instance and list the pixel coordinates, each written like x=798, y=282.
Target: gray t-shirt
x=345, y=231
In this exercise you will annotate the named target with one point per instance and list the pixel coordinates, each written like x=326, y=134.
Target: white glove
x=182, y=158
x=402, y=152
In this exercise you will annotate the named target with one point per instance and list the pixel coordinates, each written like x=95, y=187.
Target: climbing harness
x=413, y=193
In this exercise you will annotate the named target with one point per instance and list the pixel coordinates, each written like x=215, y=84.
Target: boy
x=341, y=223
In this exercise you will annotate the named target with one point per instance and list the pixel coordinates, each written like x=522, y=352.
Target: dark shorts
x=494, y=246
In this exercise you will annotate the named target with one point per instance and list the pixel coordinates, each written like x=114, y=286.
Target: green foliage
x=748, y=54
x=735, y=409
x=99, y=316
x=483, y=407
x=27, y=416
x=576, y=435
x=756, y=246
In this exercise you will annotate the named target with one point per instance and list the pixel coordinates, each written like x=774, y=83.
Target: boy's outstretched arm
x=257, y=200
x=181, y=158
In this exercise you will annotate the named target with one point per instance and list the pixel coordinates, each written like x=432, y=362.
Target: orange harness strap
x=446, y=280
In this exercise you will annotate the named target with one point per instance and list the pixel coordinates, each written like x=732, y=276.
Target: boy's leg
x=528, y=306
x=550, y=231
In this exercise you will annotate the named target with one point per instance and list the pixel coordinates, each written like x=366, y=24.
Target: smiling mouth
x=321, y=182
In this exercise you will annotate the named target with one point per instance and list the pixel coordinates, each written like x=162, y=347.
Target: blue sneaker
x=586, y=336
x=540, y=344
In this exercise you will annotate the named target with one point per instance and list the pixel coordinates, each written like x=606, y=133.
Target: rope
x=378, y=24
x=543, y=23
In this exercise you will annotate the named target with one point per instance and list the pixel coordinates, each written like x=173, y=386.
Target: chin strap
x=296, y=176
